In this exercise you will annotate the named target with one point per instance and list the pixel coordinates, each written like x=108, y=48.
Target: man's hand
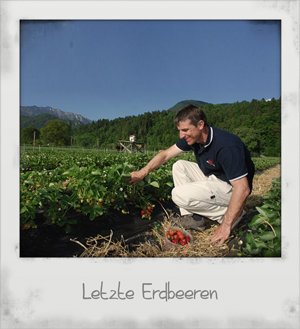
x=221, y=234
x=137, y=176
x=240, y=193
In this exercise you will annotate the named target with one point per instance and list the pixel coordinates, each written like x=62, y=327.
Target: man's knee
x=178, y=197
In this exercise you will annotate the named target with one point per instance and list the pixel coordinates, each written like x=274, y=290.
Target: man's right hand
x=137, y=176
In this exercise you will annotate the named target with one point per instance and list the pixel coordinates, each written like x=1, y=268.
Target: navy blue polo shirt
x=223, y=154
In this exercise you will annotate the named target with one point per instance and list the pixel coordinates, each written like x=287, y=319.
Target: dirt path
x=261, y=184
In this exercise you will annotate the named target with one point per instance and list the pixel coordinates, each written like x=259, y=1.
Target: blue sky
x=114, y=68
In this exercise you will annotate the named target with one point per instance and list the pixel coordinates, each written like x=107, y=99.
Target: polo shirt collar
x=199, y=148
x=209, y=137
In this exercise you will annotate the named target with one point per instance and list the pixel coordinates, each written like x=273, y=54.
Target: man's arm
x=159, y=159
x=240, y=192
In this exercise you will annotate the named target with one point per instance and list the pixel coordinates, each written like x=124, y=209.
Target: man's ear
x=200, y=124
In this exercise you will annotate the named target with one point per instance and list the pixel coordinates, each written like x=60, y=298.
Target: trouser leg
x=196, y=193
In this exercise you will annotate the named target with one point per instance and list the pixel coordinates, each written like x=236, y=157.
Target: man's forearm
x=236, y=204
x=158, y=160
x=155, y=162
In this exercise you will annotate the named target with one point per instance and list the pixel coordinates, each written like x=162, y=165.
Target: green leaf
x=154, y=184
x=257, y=220
x=96, y=173
x=260, y=244
x=268, y=236
x=23, y=210
x=262, y=212
x=250, y=239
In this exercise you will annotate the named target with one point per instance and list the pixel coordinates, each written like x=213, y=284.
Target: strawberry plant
x=89, y=191
x=147, y=211
x=264, y=235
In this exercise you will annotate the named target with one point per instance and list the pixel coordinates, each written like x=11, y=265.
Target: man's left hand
x=221, y=234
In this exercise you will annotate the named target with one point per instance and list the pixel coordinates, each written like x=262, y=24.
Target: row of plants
x=263, y=238
x=48, y=159
x=61, y=185
x=263, y=163
x=90, y=191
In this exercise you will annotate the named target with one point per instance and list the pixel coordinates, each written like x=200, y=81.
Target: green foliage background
x=258, y=123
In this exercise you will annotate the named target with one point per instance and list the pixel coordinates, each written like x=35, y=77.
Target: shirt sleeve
x=183, y=145
x=232, y=160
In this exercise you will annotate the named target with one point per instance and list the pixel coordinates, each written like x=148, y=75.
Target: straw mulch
x=155, y=246
x=200, y=245
x=262, y=182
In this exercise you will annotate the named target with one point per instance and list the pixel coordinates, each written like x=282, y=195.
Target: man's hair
x=192, y=113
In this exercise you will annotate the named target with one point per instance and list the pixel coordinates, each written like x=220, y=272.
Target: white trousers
x=199, y=194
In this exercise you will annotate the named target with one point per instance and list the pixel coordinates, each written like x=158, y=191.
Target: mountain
x=37, y=117
x=178, y=106
x=37, y=121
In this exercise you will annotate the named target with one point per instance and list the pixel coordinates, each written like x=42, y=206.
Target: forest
x=256, y=122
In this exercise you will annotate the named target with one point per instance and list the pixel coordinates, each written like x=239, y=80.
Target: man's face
x=192, y=134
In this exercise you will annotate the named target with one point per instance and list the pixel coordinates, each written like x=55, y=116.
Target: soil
x=52, y=241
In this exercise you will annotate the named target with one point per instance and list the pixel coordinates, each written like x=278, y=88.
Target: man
x=217, y=185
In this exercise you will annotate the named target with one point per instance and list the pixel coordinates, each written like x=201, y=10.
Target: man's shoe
x=192, y=222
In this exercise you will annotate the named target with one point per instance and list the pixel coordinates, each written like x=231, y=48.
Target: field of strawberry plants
x=60, y=187
x=59, y=184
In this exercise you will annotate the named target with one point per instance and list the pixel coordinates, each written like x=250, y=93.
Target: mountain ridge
x=38, y=116
x=42, y=112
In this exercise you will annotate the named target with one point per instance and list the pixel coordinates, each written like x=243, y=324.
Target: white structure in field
x=132, y=138
x=130, y=146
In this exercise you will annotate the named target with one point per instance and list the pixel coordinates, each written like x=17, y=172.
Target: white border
x=46, y=293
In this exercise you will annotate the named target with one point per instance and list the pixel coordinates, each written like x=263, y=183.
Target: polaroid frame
x=57, y=293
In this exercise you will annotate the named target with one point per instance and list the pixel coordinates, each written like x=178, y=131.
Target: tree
x=29, y=135
x=56, y=132
x=251, y=139
x=256, y=122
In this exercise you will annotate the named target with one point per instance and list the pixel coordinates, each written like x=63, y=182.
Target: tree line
x=257, y=123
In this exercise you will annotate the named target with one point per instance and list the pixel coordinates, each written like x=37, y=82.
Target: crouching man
x=217, y=185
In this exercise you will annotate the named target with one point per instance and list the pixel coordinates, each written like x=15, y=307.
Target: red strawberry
x=171, y=232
